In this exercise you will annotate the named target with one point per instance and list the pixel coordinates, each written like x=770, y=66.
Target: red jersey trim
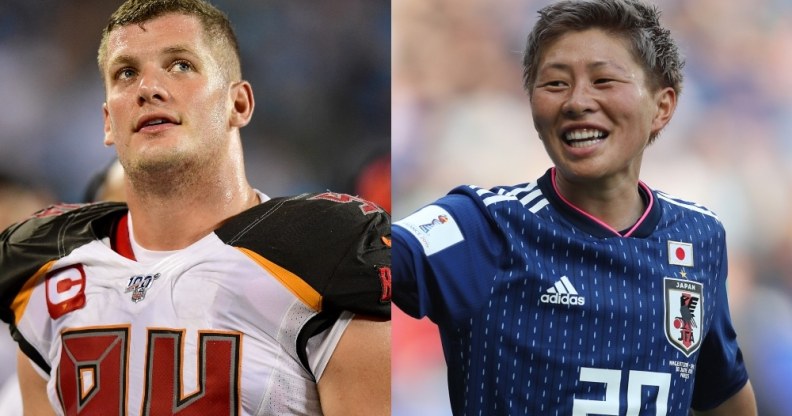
x=120, y=240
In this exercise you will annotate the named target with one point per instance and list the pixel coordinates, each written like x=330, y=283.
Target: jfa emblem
x=684, y=314
x=139, y=284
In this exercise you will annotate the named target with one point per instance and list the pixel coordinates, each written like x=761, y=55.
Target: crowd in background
x=460, y=116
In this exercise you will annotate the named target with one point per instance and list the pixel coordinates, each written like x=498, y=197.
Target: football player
x=584, y=291
x=200, y=295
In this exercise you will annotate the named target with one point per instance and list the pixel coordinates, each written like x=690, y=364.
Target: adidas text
x=563, y=293
x=564, y=299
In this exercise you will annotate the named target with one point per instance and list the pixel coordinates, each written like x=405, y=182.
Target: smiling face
x=169, y=105
x=593, y=107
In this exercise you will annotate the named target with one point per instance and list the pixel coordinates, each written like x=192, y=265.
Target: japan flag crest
x=680, y=254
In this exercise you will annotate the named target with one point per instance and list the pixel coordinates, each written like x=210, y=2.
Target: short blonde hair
x=216, y=25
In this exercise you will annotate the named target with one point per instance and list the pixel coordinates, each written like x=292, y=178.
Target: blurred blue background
x=320, y=73
x=460, y=116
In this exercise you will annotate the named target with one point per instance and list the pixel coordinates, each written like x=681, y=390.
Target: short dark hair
x=637, y=22
x=216, y=25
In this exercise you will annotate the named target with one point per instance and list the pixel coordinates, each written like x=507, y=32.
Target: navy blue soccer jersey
x=544, y=310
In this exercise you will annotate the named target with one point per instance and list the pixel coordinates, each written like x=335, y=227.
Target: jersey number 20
x=612, y=381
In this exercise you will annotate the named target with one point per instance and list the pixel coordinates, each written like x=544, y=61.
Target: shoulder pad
x=49, y=234
x=337, y=243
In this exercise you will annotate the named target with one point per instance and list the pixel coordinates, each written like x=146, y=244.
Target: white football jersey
x=242, y=322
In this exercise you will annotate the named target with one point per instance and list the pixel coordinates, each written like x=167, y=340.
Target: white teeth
x=154, y=122
x=583, y=143
x=589, y=135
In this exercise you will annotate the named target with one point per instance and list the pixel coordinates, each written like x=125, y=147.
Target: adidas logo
x=563, y=293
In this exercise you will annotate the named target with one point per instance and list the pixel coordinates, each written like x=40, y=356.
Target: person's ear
x=243, y=104
x=666, y=101
x=108, y=136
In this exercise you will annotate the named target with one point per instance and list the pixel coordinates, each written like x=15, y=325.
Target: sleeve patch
x=434, y=228
x=65, y=290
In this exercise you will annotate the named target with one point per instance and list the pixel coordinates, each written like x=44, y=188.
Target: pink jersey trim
x=597, y=220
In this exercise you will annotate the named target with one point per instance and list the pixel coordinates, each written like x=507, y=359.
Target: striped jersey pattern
x=544, y=310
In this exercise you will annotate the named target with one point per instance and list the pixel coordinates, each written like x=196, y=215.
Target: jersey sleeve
x=720, y=370
x=28, y=248
x=444, y=258
x=48, y=235
x=337, y=244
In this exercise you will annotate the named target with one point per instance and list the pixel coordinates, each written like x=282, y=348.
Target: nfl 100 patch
x=139, y=285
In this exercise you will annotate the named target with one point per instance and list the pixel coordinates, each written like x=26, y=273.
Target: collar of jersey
x=588, y=223
x=123, y=242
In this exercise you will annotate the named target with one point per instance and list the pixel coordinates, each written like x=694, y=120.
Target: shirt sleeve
x=444, y=259
x=720, y=370
x=320, y=348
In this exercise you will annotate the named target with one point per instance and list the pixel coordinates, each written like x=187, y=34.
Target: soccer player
x=200, y=295
x=584, y=291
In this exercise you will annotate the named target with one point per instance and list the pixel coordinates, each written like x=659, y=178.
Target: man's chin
x=153, y=173
x=157, y=164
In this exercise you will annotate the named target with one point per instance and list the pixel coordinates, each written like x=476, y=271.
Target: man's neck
x=177, y=220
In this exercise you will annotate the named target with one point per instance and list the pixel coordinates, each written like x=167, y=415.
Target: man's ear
x=243, y=104
x=108, y=138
